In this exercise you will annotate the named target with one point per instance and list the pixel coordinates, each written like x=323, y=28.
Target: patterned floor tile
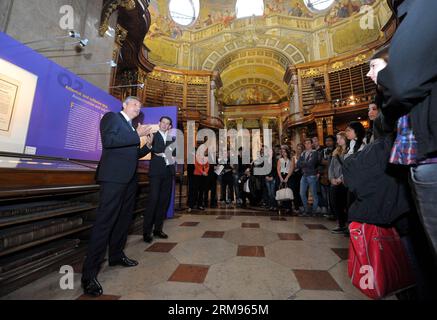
x=213, y=234
x=316, y=280
x=316, y=226
x=251, y=251
x=250, y=225
x=190, y=273
x=161, y=247
x=289, y=236
x=189, y=224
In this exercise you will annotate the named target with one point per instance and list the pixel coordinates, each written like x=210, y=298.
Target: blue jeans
x=310, y=181
x=271, y=186
x=324, y=192
x=424, y=185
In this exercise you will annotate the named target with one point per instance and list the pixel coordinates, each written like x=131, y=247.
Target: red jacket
x=201, y=169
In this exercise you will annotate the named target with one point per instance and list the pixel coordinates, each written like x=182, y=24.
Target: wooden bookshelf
x=313, y=92
x=350, y=82
x=342, y=78
x=343, y=84
x=187, y=90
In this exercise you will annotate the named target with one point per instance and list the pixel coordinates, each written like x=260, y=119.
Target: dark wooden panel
x=23, y=178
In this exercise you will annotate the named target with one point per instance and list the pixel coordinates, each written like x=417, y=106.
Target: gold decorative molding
x=198, y=80
x=319, y=122
x=167, y=77
x=239, y=121
x=329, y=120
x=312, y=72
x=361, y=58
x=128, y=4
x=337, y=65
x=109, y=7
x=120, y=34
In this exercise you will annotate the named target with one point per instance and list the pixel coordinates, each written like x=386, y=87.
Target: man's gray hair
x=131, y=98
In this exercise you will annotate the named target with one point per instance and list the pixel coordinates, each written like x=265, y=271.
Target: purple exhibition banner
x=66, y=109
x=151, y=116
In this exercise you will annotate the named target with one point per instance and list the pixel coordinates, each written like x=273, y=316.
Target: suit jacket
x=121, y=150
x=158, y=167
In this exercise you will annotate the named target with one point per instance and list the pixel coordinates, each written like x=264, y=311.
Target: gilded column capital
x=319, y=122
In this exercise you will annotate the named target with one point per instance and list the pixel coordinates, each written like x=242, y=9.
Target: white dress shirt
x=127, y=119
x=163, y=135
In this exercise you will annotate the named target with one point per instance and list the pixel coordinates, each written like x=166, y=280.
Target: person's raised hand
x=142, y=130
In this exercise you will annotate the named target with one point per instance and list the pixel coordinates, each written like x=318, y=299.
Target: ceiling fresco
x=252, y=54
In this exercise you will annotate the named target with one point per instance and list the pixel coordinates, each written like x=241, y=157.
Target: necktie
x=130, y=122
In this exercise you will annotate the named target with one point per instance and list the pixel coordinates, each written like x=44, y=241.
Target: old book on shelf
x=34, y=255
x=16, y=236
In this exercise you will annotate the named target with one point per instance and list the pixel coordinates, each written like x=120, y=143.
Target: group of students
x=308, y=171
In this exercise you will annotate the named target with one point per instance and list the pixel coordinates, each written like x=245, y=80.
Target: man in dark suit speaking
x=161, y=175
x=117, y=177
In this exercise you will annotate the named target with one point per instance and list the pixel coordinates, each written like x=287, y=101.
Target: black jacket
x=254, y=184
x=121, y=150
x=158, y=166
x=381, y=196
x=410, y=80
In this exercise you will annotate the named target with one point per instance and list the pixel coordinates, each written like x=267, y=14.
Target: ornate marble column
x=294, y=107
x=330, y=125
x=213, y=107
x=225, y=122
x=319, y=122
x=265, y=122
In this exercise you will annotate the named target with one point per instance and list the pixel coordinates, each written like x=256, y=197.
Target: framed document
x=8, y=97
x=17, y=92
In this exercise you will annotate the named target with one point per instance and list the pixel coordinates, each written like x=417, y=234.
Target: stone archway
x=289, y=53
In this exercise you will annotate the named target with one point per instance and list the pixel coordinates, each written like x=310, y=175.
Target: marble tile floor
x=224, y=254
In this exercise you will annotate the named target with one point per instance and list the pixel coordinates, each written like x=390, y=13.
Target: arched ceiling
x=260, y=56
x=253, y=76
x=252, y=54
